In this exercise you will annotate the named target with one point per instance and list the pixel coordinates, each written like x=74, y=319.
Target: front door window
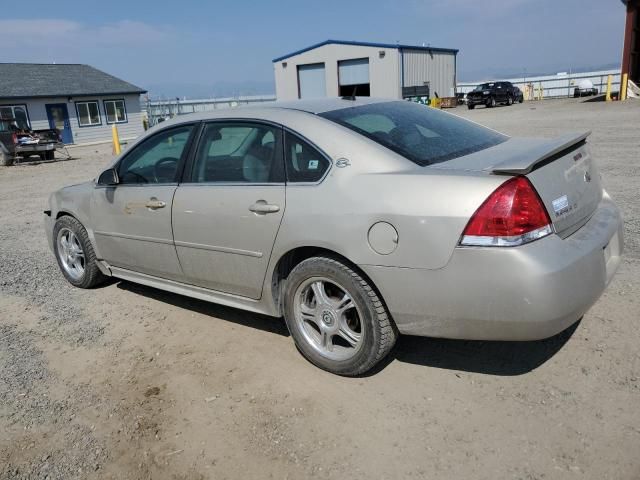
x=156, y=160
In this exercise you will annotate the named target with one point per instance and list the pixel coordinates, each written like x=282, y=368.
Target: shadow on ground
x=491, y=358
x=228, y=314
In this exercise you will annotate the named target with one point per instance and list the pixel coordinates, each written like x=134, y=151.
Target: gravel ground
x=128, y=382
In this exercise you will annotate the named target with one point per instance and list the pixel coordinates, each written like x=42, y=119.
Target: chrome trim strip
x=512, y=241
x=223, y=298
x=134, y=237
x=215, y=248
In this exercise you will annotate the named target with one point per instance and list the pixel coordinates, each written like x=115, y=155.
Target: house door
x=58, y=116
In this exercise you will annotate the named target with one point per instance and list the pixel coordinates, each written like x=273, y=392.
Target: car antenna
x=351, y=97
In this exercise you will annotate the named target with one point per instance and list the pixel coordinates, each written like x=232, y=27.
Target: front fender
x=75, y=201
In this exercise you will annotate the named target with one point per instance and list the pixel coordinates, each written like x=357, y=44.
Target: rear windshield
x=421, y=134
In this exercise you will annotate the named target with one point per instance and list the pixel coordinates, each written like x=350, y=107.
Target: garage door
x=353, y=76
x=311, y=81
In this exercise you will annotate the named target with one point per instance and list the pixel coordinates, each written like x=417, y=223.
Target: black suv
x=492, y=93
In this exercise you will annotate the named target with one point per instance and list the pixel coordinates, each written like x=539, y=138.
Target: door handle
x=263, y=207
x=154, y=204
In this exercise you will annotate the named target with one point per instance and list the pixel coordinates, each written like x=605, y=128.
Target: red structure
x=631, y=48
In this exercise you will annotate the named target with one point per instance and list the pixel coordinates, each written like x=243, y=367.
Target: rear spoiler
x=524, y=161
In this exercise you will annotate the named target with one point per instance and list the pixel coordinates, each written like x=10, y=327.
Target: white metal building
x=341, y=68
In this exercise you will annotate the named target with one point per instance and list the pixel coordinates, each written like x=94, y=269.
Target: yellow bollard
x=623, y=87
x=116, y=140
x=608, y=95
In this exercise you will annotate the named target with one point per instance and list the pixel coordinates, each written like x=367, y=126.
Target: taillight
x=14, y=139
x=512, y=215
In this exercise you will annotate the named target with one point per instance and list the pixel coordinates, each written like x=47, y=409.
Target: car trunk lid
x=561, y=170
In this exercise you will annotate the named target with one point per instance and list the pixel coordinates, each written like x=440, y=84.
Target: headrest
x=214, y=135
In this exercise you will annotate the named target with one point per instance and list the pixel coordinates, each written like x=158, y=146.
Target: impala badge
x=561, y=205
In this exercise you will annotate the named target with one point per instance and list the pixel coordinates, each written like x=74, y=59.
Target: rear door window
x=421, y=134
x=304, y=163
x=238, y=152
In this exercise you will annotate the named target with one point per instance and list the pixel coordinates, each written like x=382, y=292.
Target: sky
x=225, y=47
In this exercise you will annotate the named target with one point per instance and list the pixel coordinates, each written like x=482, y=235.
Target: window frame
x=187, y=153
x=188, y=169
x=313, y=145
x=23, y=105
x=106, y=115
x=80, y=125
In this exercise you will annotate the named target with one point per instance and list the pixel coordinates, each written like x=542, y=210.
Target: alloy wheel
x=328, y=318
x=70, y=253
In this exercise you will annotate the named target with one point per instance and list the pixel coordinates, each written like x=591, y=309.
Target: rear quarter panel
x=429, y=208
x=429, y=212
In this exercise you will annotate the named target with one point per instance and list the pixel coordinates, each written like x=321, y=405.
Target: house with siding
x=82, y=102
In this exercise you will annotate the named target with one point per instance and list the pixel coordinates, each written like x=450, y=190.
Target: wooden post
x=608, y=95
x=623, y=86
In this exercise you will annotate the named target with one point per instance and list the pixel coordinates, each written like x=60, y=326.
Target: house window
x=88, y=114
x=115, y=111
x=18, y=113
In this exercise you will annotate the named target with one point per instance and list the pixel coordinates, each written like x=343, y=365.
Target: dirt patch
x=128, y=382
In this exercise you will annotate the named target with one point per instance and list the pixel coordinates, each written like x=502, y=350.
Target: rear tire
x=74, y=253
x=6, y=160
x=336, y=318
x=471, y=107
x=50, y=155
x=491, y=102
x=509, y=100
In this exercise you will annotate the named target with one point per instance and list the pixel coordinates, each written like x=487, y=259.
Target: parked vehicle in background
x=584, y=88
x=461, y=98
x=492, y=93
x=17, y=140
x=356, y=219
x=518, y=96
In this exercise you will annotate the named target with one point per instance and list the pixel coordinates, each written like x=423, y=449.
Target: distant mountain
x=171, y=90
x=482, y=75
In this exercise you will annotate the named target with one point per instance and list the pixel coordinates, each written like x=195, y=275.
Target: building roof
x=28, y=80
x=397, y=46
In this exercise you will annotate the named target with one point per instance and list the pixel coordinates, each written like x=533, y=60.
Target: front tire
x=336, y=318
x=491, y=102
x=74, y=253
x=471, y=106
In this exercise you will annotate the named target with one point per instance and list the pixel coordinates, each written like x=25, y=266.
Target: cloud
x=32, y=38
x=130, y=49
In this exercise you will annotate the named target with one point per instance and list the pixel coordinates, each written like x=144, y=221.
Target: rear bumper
x=36, y=147
x=520, y=293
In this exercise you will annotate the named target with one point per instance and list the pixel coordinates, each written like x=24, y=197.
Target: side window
x=156, y=159
x=238, y=152
x=303, y=162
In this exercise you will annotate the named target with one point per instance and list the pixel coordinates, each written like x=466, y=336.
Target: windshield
x=421, y=134
x=484, y=86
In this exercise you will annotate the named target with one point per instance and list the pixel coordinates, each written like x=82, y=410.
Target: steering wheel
x=168, y=164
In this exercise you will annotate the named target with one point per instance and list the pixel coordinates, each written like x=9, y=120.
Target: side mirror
x=108, y=177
